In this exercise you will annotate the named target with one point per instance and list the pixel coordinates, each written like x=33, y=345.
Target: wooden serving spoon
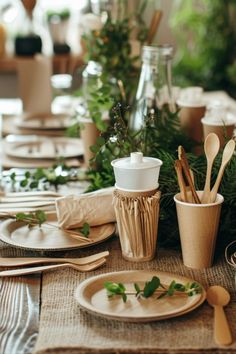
x=218, y=297
x=211, y=148
x=227, y=154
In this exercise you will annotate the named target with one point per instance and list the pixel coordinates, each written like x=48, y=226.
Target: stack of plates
x=41, y=151
x=41, y=124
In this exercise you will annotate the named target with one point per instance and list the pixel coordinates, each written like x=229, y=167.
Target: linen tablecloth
x=65, y=328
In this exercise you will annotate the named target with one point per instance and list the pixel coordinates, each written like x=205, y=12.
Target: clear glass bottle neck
x=155, y=86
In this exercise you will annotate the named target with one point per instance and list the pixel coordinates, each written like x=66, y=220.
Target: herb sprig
x=152, y=287
x=39, y=217
x=32, y=219
x=84, y=230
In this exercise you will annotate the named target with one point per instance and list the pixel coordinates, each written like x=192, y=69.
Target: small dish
x=43, y=121
x=45, y=148
x=18, y=234
x=91, y=296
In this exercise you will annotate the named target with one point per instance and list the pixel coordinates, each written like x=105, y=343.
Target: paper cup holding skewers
x=136, y=204
x=198, y=227
x=137, y=221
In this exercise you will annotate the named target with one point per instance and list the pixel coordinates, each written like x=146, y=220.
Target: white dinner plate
x=91, y=296
x=50, y=148
x=43, y=121
x=18, y=234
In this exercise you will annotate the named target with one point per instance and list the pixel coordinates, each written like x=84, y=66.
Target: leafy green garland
x=111, y=46
x=159, y=137
x=42, y=178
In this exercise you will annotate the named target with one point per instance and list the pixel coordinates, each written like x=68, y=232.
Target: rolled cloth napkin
x=94, y=208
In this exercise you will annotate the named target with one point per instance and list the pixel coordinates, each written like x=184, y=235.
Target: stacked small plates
x=42, y=151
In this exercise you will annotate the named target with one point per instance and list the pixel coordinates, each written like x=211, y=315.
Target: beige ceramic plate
x=92, y=297
x=18, y=234
x=43, y=121
x=50, y=148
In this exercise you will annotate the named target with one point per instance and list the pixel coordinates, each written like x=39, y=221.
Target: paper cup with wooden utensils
x=136, y=203
x=219, y=121
x=198, y=227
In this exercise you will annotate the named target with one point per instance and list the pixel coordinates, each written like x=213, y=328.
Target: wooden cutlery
x=84, y=264
x=12, y=262
x=32, y=270
x=227, y=154
x=185, y=175
x=185, y=178
x=211, y=148
x=185, y=167
x=13, y=203
x=218, y=297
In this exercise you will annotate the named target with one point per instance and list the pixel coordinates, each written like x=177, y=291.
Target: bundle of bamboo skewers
x=185, y=178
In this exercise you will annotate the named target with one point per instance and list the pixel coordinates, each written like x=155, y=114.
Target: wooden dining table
x=39, y=313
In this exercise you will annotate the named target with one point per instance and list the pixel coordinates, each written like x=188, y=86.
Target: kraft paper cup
x=222, y=131
x=198, y=227
x=190, y=121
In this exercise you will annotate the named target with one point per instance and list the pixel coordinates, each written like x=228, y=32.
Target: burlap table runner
x=65, y=328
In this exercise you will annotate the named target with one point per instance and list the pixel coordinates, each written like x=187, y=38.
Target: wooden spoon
x=227, y=154
x=218, y=297
x=211, y=148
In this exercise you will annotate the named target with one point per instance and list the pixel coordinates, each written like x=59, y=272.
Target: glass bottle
x=155, y=86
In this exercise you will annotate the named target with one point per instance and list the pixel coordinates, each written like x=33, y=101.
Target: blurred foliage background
x=205, y=32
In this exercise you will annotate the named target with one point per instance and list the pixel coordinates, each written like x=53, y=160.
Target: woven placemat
x=65, y=328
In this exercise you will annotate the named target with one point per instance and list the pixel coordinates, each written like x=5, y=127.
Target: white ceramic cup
x=137, y=173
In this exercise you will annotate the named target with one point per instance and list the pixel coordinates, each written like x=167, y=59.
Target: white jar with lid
x=137, y=173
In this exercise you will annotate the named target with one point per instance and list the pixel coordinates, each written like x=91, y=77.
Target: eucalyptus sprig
x=32, y=219
x=39, y=217
x=154, y=287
